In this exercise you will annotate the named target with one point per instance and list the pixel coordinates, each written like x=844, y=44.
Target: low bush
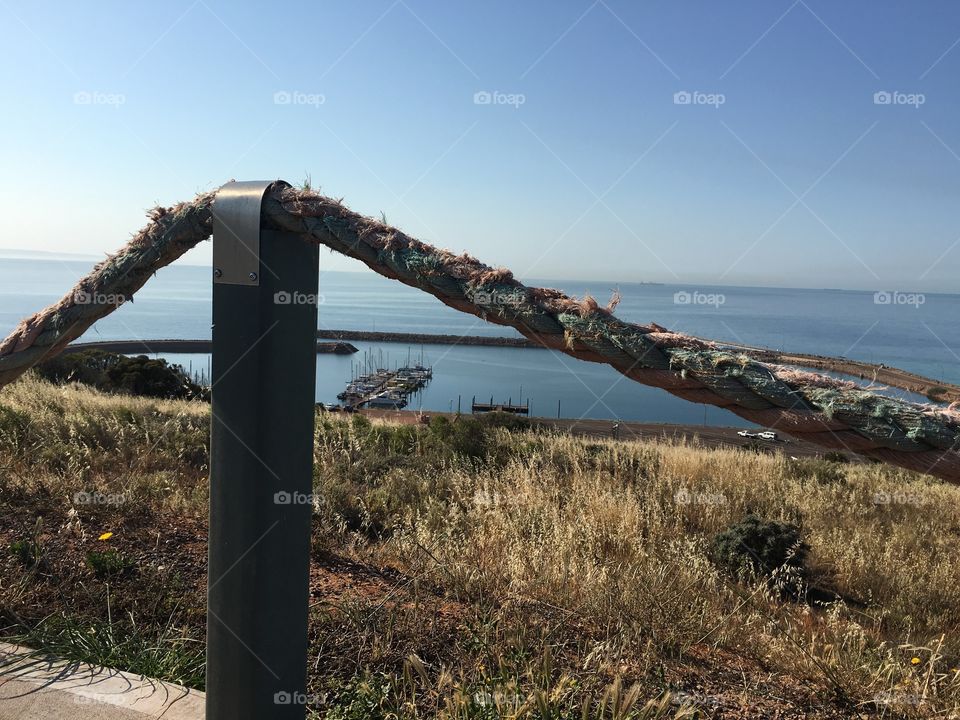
x=113, y=372
x=759, y=547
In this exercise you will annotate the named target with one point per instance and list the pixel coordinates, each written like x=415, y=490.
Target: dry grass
x=152, y=451
x=546, y=575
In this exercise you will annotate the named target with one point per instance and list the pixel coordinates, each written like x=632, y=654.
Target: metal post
x=261, y=462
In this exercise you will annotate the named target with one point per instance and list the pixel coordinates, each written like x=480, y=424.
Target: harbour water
x=883, y=327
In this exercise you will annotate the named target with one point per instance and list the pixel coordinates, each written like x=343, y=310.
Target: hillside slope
x=469, y=570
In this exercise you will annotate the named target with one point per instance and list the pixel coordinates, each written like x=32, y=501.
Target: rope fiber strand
x=831, y=413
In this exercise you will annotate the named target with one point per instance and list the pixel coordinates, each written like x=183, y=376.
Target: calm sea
x=920, y=334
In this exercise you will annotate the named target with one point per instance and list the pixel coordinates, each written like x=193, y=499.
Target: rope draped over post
x=828, y=412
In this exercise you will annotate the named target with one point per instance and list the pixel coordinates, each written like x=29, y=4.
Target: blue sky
x=783, y=169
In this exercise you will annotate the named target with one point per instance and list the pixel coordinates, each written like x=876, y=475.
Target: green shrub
x=468, y=437
x=440, y=426
x=87, y=366
x=360, y=423
x=508, y=421
x=113, y=372
x=760, y=547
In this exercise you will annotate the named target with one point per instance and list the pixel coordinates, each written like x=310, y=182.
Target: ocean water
x=920, y=334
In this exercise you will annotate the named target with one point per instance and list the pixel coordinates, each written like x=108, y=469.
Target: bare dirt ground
x=703, y=435
x=342, y=589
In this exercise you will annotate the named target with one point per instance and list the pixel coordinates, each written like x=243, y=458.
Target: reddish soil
x=170, y=553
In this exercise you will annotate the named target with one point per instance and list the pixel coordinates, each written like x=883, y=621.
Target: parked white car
x=767, y=435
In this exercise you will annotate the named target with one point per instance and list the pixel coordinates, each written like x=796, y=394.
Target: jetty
x=426, y=338
x=385, y=389
x=507, y=407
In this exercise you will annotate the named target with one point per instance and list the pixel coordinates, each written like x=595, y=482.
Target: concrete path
x=34, y=686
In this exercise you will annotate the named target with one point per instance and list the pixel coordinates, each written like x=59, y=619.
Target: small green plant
x=760, y=547
x=361, y=698
x=108, y=562
x=27, y=552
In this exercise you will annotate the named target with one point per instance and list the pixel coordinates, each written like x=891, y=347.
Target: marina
x=385, y=389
